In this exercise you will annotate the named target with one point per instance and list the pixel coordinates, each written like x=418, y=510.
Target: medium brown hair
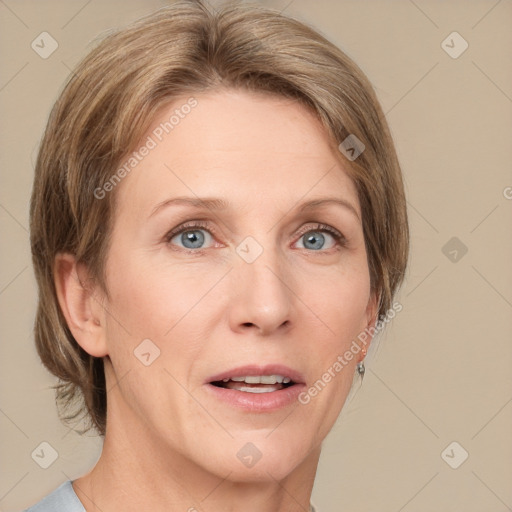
x=108, y=104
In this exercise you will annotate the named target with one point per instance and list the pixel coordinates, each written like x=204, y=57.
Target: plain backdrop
x=442, y=372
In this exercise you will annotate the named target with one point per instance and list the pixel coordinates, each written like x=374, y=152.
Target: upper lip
x=254, y=370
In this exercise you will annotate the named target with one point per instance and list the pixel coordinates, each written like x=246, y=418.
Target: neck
x=135, y=472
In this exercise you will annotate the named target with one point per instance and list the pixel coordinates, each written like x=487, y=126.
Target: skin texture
x=170, y=444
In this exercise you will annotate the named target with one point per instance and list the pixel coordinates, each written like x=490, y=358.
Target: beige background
x=443, y=370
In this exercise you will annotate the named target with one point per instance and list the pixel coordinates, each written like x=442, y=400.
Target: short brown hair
x=108, y=104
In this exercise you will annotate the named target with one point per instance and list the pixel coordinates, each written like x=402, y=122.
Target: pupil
x=316, y=241
x=192, y=239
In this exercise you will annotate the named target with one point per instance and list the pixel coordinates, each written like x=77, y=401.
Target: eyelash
x=341, y=241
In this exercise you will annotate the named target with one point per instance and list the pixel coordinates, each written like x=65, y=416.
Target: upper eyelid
x=322, y=226
x=190, y=226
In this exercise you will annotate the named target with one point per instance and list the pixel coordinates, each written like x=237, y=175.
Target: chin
x=261, y=458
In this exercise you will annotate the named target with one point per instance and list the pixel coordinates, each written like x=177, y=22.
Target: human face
x=260, y=281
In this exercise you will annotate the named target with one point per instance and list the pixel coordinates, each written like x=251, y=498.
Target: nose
x=263, y=299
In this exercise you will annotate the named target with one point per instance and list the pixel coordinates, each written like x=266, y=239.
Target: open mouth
x=255, y=383
x=257, y=388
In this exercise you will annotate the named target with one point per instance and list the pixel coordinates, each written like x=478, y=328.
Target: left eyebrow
x=315, y=203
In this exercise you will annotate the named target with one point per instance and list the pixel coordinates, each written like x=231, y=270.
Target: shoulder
x=62, y=499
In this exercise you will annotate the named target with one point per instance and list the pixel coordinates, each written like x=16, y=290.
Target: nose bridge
x=264, y=295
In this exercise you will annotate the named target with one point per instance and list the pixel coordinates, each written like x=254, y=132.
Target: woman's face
x=237, y=251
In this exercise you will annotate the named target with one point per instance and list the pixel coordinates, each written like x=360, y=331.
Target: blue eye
x=191, y=238
x=195, y=236
x=318, y=239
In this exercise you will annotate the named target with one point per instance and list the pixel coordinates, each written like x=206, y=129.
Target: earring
x=360, y=366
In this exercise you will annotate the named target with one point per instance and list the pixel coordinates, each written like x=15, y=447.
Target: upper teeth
x=260, y=379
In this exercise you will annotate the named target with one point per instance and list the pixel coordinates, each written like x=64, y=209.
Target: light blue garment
x=62, y=499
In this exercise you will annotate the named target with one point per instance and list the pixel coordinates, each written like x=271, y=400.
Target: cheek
x=151, y=299
x=339, y=299
x=341, y=304
x=156, y=303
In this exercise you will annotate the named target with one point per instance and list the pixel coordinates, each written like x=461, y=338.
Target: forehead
x=258, y=149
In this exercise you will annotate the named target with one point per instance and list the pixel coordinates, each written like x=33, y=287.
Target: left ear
x=372, y=309
x=372, y=312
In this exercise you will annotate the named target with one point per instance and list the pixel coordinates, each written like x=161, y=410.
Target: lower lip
x=258, y=402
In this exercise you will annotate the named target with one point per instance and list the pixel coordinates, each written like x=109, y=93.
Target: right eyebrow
x=210, y=203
